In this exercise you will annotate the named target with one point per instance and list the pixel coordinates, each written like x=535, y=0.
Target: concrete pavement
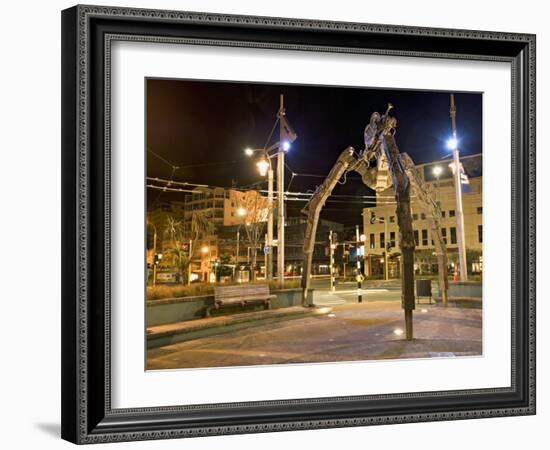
x=371, y=330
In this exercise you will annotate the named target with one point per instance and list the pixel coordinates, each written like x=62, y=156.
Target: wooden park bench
x=242, y=294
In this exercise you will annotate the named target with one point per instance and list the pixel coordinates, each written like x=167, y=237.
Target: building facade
x=238, y=216
x=439, y=178
x=225, y=207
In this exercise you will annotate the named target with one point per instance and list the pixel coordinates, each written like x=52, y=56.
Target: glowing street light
x=452, y=143
x=248, y=151
x=263, y=167
x=205, y=249
x=241, y=212
x=285, y=146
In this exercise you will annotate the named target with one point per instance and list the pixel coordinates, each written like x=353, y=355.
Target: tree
x=182, y=247
x=226, y=268
x=255, y=217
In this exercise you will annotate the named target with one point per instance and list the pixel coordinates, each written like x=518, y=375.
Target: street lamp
x=437, y=170
x=452, y=143
x=241, y=212
x=156, y=261
x=204, y=250
x=263, y=166
x=286, y=136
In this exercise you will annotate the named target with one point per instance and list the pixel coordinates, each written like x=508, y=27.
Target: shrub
x=170, y=291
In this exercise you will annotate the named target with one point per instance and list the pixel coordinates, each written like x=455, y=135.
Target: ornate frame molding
x=87, y=422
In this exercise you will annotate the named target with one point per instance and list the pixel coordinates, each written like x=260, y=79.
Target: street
x=347, y=292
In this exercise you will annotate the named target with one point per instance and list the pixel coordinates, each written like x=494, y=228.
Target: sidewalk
x=351, y=332
x=170, y=333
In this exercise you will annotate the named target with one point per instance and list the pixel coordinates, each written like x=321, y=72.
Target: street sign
x=266, y=249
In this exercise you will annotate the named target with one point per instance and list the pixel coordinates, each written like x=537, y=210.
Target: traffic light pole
x=386, y=272
x=331, y=253
x=359, y=282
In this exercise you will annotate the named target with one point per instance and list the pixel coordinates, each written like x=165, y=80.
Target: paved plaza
x=372, y=330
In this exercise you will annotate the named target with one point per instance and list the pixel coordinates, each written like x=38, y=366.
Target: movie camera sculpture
x=381, y=165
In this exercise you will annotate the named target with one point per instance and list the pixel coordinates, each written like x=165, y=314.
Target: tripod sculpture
x=381, y=165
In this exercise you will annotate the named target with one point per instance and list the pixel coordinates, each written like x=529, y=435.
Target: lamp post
x=241, y=212
x=265, y=168
x=206, y=249
x=154, y=251
x=283, y=146
x=453, y=145
x=156, y=261
x=286, y=137
x=437, y=170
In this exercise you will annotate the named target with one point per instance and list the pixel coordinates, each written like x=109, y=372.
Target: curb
x=171, y=333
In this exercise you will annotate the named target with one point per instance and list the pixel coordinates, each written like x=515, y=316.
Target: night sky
x=203, y=127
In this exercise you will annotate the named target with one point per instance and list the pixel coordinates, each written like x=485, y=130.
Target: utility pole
x=269, y=259
x=331, y=263
x=280, y=198
x=344, y=259
x=458, y=188
x=154, y=254
x=237, y=255
x=189, y=265
x=359, y=282
x=387, y=249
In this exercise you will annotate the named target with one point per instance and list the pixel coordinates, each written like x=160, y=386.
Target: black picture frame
x=87, y=415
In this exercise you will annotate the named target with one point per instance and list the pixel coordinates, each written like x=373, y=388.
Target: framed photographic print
x=280, y=224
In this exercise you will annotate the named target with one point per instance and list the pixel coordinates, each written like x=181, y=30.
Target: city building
x=294, y=245
x=231, y=211
x=225, y=207
x=384, y=230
